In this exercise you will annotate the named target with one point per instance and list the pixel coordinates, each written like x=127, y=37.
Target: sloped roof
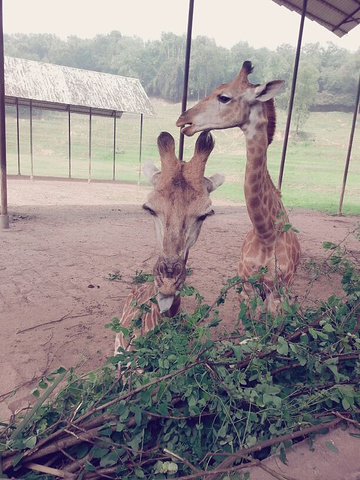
x=57, y=87
x=338, y=16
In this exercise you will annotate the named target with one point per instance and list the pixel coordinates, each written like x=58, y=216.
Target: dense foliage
x=330, y=83
x=199, y=404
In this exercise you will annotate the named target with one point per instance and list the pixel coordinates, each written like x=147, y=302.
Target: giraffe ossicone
x=179, y=204
x=270, y=243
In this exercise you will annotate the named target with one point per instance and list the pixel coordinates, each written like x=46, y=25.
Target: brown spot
x=258, y=217
x=253, y=178
x=254, y=202
x=261, y=227
x=268, y=235
x=251, y=149
x=273, y=209
x=257, y=162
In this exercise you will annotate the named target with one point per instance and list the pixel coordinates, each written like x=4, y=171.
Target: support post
x=114, y=150
x=140, y=146
x=69, y=138
x=18, y=136
x=292, y=94
x=186, y=72
x=348, y=156
x=90, y=128
x=4, y=217
x=31, y=143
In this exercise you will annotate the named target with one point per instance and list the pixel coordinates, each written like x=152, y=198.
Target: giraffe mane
x=271, y=117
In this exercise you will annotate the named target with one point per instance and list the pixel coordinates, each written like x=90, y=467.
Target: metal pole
x=347, y=162
x=4, y=217
x=31, y=143
x=18, y=135
x=90, y=123
x=186, y=72
x=69, y=136
x=140, y=147
x=114, y=151
x=292, y=95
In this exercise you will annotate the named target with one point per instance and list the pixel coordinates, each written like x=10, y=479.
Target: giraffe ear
x=214, y=181
x=266, y=91
x=151, y=172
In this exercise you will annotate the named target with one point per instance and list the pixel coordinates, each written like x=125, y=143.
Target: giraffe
x=271, y=242
x=179, y=204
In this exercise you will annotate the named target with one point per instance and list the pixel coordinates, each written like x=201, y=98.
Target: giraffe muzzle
x=169, y=276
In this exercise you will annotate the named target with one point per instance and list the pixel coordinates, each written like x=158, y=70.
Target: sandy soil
x=64, y=240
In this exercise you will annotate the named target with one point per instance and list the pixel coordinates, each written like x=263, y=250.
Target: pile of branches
x=183, y=405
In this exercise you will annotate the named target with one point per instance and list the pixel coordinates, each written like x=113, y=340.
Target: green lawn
x=313, y=171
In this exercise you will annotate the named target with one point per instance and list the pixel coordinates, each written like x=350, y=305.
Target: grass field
x=313, y=172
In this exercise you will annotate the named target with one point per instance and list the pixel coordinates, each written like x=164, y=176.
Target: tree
x=208, y=67
x=305, y=94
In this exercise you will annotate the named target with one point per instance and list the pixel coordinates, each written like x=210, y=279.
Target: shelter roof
x=338, y=16
x=58, y=87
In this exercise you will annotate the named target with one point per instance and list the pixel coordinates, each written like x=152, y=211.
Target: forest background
x=327, y=78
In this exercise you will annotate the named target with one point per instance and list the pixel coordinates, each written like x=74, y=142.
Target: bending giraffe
x=270, y=243
x=179, y=204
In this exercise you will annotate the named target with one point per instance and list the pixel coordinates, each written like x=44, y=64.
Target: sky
x=262, y=23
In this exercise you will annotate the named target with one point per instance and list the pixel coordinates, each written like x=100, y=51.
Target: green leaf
x=30, y=442
x=98, y=452
x=17, y=459
x=282, y=346
x=238, y=352
x=109, y=460
x=59, y=371
x=283, y=455
x=82, y=450
x=35, y=392
x=172, y=468
x=89, y=467
x=332, y=447
x=105, y=431
x=43, y=384
x=137, y=415
x=313, y=333
x=139, y=472
x=329, y=246
x=162, y=409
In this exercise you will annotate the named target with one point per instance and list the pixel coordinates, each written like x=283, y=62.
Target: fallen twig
x=268, y=443
x=65, y=317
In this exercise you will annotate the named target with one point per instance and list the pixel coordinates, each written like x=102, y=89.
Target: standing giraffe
x=271, y=243
x=179, y=203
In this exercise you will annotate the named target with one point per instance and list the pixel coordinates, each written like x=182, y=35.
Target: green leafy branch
x=204, y=404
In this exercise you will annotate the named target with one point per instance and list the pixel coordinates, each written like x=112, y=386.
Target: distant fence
x=73, y=145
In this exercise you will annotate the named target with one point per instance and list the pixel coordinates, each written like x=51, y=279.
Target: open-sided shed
x=54, y=87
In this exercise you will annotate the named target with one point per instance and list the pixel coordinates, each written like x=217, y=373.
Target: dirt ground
x=64, y=240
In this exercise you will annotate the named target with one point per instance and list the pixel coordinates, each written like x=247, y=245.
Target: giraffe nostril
x=162, y=269
x=178, y=268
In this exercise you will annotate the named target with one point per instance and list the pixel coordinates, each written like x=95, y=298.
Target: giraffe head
x=232, y=105
x=179, y=203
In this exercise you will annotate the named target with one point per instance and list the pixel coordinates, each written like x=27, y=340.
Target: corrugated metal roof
x=338, y=16
x=58, y=87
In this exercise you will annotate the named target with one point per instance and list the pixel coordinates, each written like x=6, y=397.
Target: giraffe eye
x=224, y=99
x=201, y=218
x=149, y=210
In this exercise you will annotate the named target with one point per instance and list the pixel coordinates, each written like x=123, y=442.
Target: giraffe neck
x=264, y=205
